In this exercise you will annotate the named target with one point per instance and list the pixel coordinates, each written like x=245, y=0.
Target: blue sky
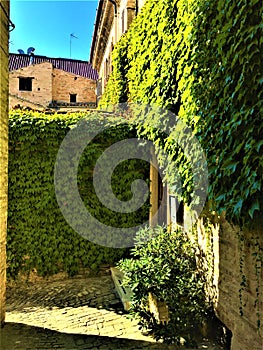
x=47, y=25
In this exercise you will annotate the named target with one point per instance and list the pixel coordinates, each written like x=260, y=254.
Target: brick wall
x=65, y=84
x=4, y=34
x=41, y=93
x=227, y=251
x=49, y=84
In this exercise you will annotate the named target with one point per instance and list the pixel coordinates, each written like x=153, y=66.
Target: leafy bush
x=164, y=263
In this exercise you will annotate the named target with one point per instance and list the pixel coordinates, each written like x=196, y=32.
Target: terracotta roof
x=82, y=68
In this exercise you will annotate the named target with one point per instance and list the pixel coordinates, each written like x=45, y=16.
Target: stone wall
x=65, y=84
x=233, y=254
x=41, y=94
x=4, y=34
x=49, y=84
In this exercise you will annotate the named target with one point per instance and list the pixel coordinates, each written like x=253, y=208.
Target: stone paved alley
x=77, y=313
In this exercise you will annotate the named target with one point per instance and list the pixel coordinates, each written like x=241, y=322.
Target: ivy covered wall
x=39, y=238
x=202, y=60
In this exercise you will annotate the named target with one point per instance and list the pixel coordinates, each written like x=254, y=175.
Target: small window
x=107, y=68
x=176, y=211
x=180, y=214
x=25, y=84
x=73, y=98
x=123, y=21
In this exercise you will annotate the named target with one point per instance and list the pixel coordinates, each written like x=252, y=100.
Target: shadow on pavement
x=92, y=292
x=17, y=336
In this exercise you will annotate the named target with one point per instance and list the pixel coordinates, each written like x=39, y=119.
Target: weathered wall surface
x=41, y=93
x=235, y=253
x=65, y=84
x=49, y=84
x=4, y=12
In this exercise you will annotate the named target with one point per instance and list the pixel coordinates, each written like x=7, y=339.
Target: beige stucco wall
x=125, y=8
x=103, y=74
x=127, y=12
x=4, y=34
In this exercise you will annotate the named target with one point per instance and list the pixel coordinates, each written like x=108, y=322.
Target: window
x=73, y=98
x=123, y=21
x=111, y=49
x=107, y=68
x=99, y=88
x=176, y=211
x=25, y=84
x=106, y=71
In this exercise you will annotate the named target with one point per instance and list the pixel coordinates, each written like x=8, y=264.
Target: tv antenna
x=70, y=38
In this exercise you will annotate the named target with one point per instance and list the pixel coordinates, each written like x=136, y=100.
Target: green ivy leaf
x=255, y=206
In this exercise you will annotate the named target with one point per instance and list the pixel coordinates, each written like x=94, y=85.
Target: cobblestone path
x=77, y=313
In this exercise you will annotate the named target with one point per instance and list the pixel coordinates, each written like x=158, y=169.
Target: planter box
x=124, y=293
x=159, y=309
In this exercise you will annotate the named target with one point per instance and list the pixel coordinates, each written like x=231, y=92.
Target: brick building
x=112, y=20
x=42, y=82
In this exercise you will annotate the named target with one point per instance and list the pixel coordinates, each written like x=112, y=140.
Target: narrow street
x=76, y=313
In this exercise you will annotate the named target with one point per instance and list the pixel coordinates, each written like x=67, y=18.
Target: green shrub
x=164, y=263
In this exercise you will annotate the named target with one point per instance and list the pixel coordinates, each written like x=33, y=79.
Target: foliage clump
x=201, y=59
x=164, y=264
x=39, y=238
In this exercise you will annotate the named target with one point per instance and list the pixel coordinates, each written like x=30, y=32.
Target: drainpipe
x=115, y=20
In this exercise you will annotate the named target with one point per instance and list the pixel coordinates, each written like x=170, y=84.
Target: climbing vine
x=38, y=236
x=202, y=60
x=221, y=89
x=117, y=90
